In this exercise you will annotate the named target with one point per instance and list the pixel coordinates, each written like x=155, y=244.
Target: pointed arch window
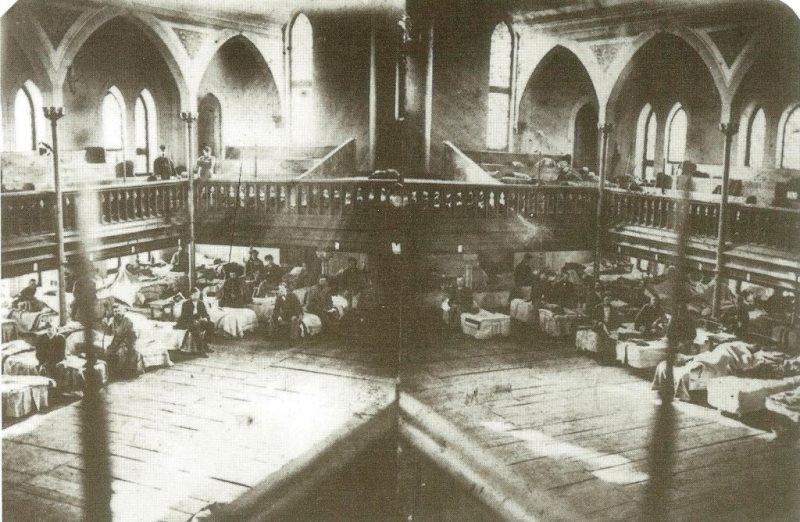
x=677, y=127
x=790, y=140
x=145, y=129
x=646, y=142
x=113, y=120
x=501, y=59
x=29, y=127
x=301, y=56
x=756, y=134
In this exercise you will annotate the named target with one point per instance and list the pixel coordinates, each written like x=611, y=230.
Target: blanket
x=24, y=394
x=28, y=322
x=232, y=322
x=524, y=311
x=785, y=403
x=694, y=372
x=559, y=324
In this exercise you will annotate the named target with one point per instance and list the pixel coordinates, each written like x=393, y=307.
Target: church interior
x=386, y=259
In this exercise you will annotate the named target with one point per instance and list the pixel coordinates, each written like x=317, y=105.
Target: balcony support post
x=189, y=118
x=54, y=114
x=729, y=130
x=605, y=130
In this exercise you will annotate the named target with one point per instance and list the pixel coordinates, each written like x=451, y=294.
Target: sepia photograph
x=400, y=260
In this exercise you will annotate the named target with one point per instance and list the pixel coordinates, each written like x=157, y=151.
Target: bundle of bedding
x=131, y=289
x=739, y=395
x=154, y=341
x=24, y=394
x=640, y=353
x=231, y=322
x=310, y=325
x=692, y=373
x=19, y=358
x=29, y=322
x=524, y=311
x=558, y=322
x=785, y=403
x=485, y=324
x=771, y=365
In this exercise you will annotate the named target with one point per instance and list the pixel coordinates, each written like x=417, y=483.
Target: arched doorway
x=209, y=125
x=585, y=145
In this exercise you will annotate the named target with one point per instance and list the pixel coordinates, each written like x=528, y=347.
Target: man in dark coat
x=318, y=301
x=50, y=348
x=682, y=330
x=194, y=318
x=269, y=276
x=350, y=280
x=523, y=275
x=233, y=293
x=180, y=260
x=26, y=299
x=253, y=266
x=163, y=167
x=287, y=313
x=607, y=320
x=461, y=301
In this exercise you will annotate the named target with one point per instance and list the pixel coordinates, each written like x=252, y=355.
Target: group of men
x=164, y=168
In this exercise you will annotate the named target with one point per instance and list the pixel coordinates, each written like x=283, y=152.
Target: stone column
x=54, y=114
x=189, y=118
x=729, y=130
x=605, y=132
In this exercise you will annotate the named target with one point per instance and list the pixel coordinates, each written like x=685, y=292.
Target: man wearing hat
x=253, y=266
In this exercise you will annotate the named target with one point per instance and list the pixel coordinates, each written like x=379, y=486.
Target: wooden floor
x=561, y=422
x=201, y=431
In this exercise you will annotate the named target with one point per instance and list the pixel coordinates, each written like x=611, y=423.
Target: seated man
x=121, y=353
x=26, y=299
x=253, y=266
x=461, y=301
x=682, y=330
x=50, y=348
x=318, y=301
x=523, y=274
x=233, y=293
x=194, y=318
x=350, y=281
x=180, y=260
x=650, y=317
x=287, y=313
x=268, y=276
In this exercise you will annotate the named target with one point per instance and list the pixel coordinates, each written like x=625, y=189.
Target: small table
x=163, y=306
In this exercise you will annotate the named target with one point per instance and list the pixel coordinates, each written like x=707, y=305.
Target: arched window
x=756, y=133
x=301, y=56
x=501, y=58
x=113, y=120
x=29, y=125
x=790, y=140
x=145, y=128
x=677, y=126
x=646, y=142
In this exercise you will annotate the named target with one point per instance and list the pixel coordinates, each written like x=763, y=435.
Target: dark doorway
x=585, y=153
x=209, y=125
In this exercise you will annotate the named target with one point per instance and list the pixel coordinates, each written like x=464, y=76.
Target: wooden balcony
x=425, y=216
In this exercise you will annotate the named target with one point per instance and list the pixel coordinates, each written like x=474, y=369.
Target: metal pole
x=373, y=90
x=189, y=118
x=729, y=130
x=54, y=114
x=605, y=130
x=428, y=101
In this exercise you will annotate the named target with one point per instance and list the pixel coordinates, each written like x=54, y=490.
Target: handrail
x=338, y=163
x=460, y=167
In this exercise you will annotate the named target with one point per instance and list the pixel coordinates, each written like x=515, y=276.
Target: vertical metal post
x=373, y=93
x=54, y=114
x=429, y=99
x=729, y=130
x=605, y=130
x=189, y=118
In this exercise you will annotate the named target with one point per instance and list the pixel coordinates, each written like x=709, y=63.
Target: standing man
x=194, y=317
x=163, y=167
x=205, y=164
x=253, y=266
x=523, y=274
x=287, y=313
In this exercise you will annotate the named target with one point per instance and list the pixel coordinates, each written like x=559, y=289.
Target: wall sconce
x=460, y=249
x=336, y=245
x=396, y=248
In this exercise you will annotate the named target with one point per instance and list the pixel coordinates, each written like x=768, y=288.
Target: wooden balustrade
x=31, y=213
x=773, y=227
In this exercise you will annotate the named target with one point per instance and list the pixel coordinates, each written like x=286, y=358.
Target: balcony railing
x=773, y=227
x=337, y=197
x=33, y=213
